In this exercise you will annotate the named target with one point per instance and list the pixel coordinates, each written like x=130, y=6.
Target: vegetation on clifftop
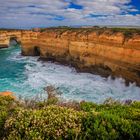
x=55, y=119
x=126, y=31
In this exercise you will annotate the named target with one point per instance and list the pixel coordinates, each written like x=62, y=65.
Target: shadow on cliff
x=14, y=41
x=36, y=51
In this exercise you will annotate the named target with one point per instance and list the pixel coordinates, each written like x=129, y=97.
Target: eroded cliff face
x=105, y=52
x=21, y=36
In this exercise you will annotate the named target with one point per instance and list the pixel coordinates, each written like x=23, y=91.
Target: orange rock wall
x=106, y=53
x=22, y=36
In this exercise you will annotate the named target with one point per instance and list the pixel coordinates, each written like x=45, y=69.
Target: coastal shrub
x=51, y=101
x=122, y=111
x=55, y=119
x=104, y=126
x=6, y=101
x=136, y=104
x=5, y=107
x=87, y=106
x=111, y=120
x=110, y=102
x=3, y=115
x=52, y=122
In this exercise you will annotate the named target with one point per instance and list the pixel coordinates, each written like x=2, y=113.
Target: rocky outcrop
x=97, y=51
x=21, y=36
x=104, y=53
x=7, y=93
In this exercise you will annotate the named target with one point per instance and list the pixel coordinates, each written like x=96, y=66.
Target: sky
x=46, y=13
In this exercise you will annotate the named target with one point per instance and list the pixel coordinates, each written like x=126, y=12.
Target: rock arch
x=13, y=40
x=7, y=36
x=22, y=37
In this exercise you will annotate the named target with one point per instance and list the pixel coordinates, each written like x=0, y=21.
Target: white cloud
x=105, y=7
x=28, y=13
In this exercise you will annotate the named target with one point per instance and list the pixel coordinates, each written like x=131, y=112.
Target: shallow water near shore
x=26, y=77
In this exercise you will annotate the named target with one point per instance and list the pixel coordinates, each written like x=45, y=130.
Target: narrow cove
x=26, y=77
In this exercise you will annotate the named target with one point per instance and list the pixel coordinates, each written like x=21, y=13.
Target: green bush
x=136, y=105
x=5, y=107
x=52, y=119
x=87, y=106
x=123, y=111
x=52, y=122
x=106, y=126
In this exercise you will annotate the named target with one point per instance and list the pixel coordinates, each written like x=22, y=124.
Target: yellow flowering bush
x=52, y=122
x=55, y=120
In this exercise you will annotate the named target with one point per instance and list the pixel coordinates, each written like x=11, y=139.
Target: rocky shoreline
x=107, y=52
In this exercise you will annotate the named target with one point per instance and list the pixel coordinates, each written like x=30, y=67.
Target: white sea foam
x=77, y=86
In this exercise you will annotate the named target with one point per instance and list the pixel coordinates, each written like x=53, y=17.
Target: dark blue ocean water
x=26, y=77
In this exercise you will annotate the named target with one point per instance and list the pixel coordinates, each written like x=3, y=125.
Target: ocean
x=26, y=77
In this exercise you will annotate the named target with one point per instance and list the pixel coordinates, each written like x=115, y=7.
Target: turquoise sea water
x=27, y=77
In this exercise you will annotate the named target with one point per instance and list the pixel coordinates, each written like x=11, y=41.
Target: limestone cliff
x=103, y=51
x=21, y=36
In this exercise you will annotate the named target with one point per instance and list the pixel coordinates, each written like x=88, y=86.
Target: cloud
x=31, y=13
x=105, y=7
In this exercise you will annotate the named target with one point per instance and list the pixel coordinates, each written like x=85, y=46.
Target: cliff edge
x=101, y=51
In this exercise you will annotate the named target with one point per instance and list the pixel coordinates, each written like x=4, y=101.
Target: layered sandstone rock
x=103, y=52
x=21, y=36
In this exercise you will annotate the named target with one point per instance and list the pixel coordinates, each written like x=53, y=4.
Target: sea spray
x=27, y=77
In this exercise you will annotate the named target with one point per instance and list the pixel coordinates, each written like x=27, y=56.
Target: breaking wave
x=28, y=78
